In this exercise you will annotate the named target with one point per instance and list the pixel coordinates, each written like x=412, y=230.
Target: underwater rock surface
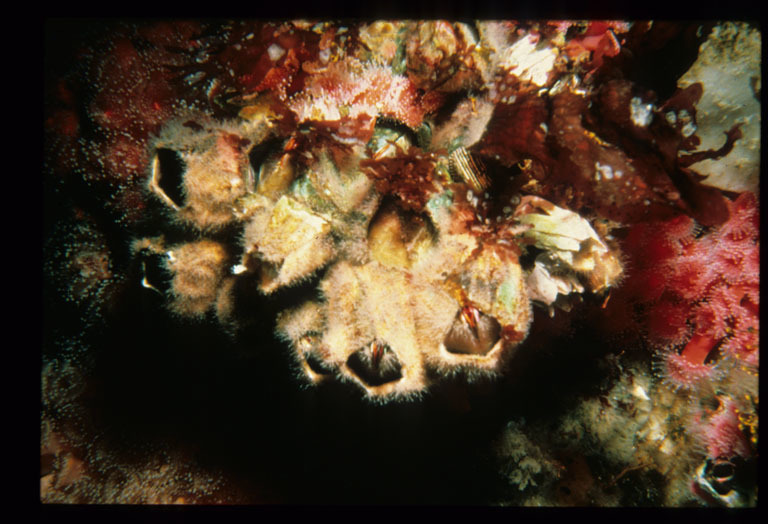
x=401, y=262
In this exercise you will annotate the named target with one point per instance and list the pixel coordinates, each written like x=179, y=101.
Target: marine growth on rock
x=248, y=218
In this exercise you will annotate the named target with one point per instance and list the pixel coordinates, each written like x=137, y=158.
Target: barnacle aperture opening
x=472, y=332
x=154, y=273
x=269, y=172
x=317, y=364
x=376, y=364
x=168, y=176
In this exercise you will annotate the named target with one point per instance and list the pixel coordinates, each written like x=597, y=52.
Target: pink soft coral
x=698, y=294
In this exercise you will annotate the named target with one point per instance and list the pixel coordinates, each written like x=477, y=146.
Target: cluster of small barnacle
x=398, y=283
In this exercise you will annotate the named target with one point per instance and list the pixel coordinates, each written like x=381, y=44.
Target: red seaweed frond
x=408, y=176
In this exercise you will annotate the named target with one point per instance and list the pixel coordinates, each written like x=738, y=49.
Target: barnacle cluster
x=409, y=291
x=414, y=209
x=414, y=285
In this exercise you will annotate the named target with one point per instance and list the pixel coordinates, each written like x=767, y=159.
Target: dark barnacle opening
x=476, y=339
x=726, y=475
x=446, y=110
x=153, y=272
x=395, y=125
x=258, y=156
x=317, y=364
x=529, y=256
x=168, y=175
x=376, y=364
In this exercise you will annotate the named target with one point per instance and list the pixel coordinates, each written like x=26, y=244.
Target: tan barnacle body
x=296, y=222
x=495, y=302
x=362, y=332
x=274, y=177
x=302, y=327
x=293, y=243
x=397, y=238
x=477, y=297
x=370, y=306
x=197, y=269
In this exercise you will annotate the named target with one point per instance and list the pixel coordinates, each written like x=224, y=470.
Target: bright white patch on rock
x=642, y=113
x=275, y=52
x=605, y=170
x=528, y=63
x=640, y=393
